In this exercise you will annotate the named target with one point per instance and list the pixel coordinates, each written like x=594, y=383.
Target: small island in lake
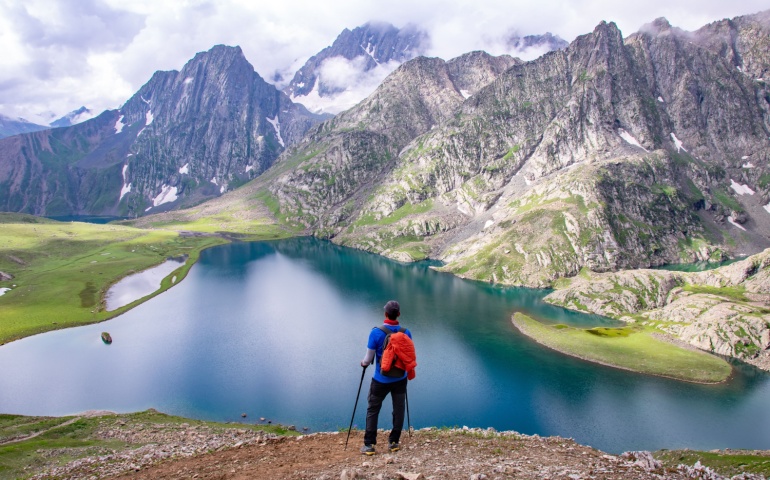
x=106, y=338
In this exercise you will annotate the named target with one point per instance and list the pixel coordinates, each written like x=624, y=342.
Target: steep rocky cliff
x=724, y=311
x=345, y=158
x=613, y=153
x=182, y=138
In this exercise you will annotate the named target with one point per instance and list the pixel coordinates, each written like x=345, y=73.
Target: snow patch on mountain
x=277, y=127
x=119, y=124
x=149, y=118
x=167, y=194
x=733, y=222
x=185, y=169
x=740, y=189
x=371, y=50
x=126, y=187
x=677, y=143
x=630, y=139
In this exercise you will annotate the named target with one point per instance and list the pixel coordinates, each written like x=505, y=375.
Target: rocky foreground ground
x=201, y=451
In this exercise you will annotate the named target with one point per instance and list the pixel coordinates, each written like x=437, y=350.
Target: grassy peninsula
x=61, y=271
x=627, y=348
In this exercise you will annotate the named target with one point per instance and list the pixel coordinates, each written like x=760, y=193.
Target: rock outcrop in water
x=724, y=311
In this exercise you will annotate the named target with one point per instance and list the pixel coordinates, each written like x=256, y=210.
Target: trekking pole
x=408, y=421
x=355, y=406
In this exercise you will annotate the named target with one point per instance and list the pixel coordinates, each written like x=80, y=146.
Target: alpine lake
x=277, y=330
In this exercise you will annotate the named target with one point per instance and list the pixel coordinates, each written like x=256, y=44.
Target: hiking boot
x=394, y=447
x=368, y=450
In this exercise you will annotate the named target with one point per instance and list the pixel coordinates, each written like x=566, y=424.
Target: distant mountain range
x=14, y=126
x=347, y=71
x=10, y=126
x=191, y=135
x=74, y=117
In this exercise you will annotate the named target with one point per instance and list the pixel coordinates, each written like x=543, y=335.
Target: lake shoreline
x=242, y=295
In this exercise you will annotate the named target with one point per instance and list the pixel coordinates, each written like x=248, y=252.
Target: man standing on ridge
x=383, y=384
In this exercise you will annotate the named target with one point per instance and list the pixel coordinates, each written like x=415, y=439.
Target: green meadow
x=31, y=445
x=628, y=348
x=727, y=463
x=62, y=270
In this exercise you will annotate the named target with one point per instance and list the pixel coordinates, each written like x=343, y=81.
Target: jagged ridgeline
x=613, y=153
x=185, y=136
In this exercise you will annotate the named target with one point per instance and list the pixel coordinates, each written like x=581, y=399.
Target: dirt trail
x=472, y=454
x=36, y=434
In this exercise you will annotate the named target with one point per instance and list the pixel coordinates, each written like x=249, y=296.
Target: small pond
x=141, y=284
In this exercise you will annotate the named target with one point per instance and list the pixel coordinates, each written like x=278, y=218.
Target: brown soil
x=470, y=454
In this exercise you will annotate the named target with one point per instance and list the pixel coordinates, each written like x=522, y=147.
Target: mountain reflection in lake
x=277, y=329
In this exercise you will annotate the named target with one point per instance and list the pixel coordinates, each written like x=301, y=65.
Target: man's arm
x=368, y=358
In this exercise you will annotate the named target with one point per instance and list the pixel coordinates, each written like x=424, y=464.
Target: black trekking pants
x=377, y=393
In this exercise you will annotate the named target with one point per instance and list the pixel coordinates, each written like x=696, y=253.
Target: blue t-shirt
x=376, y=341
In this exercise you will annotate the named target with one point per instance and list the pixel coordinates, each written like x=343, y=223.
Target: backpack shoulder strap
x=388, y=331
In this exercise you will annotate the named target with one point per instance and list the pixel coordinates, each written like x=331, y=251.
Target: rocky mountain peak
x=76, y=116
x=660, y=24
x=346, y=71
x=374, y=43
x=743, y=41
x=547, y=41
x=185, y=136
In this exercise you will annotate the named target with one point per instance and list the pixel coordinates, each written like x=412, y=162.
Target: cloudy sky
x=60, y=54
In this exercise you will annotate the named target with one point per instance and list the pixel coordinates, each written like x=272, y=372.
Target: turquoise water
x=278, y=329
x=87, y=218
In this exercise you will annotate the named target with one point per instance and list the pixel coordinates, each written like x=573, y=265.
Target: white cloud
x=339, y=72
x=61, y=54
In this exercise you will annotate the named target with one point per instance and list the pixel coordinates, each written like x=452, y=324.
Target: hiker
x=383, y=384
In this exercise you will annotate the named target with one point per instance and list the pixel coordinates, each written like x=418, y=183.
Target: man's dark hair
x=392, y=310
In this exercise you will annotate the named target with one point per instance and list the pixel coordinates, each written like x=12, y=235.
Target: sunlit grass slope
x=627, y=348
x=61, y=271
